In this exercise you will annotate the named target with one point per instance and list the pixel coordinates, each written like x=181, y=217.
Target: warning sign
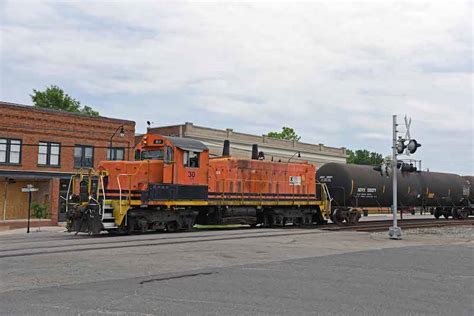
x=295, y=180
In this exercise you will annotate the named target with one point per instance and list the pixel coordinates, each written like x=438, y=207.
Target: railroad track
x=376, y=226
x=73, y=245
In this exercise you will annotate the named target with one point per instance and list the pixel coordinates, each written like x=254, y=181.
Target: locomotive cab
x=161, y=162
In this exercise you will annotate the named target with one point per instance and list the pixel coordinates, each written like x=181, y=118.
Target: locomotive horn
x=254, y=152
x=226, y=148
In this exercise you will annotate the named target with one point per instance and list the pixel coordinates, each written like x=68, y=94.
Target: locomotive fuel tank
x=361, y=186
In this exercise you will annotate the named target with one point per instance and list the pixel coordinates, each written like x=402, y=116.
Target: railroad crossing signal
x=406, y=144
x=28, y=189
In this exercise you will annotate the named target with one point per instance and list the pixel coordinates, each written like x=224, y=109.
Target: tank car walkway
x=234, y=272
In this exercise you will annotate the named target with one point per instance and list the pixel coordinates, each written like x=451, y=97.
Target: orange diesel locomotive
x=173, y=184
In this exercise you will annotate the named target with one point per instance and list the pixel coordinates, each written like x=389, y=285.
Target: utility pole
x=394, y=232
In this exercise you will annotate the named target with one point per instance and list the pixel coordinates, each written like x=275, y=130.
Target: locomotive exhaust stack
x=254, y=152
x=226, y=148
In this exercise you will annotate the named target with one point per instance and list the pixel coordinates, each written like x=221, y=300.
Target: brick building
x=44, y=148
x=241, y=144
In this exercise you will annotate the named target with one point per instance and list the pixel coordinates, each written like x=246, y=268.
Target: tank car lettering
x=325, y=179
x=368, y=193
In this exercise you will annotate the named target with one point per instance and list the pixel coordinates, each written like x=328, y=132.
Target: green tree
x=364, y=157
x=286, y=133
x=55, y=98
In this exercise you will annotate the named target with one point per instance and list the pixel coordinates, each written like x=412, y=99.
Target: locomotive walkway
x=260, y=271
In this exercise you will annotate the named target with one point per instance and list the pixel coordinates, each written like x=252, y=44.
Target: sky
x=335, y=71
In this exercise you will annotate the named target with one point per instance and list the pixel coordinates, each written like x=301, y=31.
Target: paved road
x=236, y=272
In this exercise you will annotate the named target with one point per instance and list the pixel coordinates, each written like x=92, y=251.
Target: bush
x=40, y=210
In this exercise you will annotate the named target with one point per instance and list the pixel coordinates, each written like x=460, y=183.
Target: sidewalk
x=33, y=230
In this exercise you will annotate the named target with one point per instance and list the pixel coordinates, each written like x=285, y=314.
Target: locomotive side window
x=191, y=159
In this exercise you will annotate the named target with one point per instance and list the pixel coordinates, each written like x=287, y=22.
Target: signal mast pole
x=394, y=232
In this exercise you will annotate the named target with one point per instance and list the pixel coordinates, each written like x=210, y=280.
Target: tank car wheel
x=355, y=217
x=446, y=215
x=454, y=213
x=337, y=217
x=462, y=213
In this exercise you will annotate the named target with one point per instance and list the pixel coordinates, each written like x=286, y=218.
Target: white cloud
x=336, y=71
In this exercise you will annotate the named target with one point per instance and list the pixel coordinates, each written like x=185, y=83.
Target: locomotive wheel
x=172, y=227
x=268, y=221
x=319, y=219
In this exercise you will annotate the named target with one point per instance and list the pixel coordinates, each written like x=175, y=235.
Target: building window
x=10, y=150
x=117, y=153
x=191, y=159
x=48, y=154
x=83, y=156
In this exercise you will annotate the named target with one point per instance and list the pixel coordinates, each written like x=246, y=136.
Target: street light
x=121, y=134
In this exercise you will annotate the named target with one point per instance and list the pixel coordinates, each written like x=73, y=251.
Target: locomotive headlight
x=413, y=146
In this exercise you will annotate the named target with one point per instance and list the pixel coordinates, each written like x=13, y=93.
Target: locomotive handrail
x=327, y=197
x=101, y=180
x=129, y=183
x=90, y=173
x=68, y=192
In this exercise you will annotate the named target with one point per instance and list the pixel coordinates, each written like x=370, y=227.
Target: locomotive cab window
x=152, y=154
x=168, y=154
x=191, y=159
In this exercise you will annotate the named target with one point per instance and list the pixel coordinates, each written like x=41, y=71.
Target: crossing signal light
x=401, y=146
x=413, y=146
